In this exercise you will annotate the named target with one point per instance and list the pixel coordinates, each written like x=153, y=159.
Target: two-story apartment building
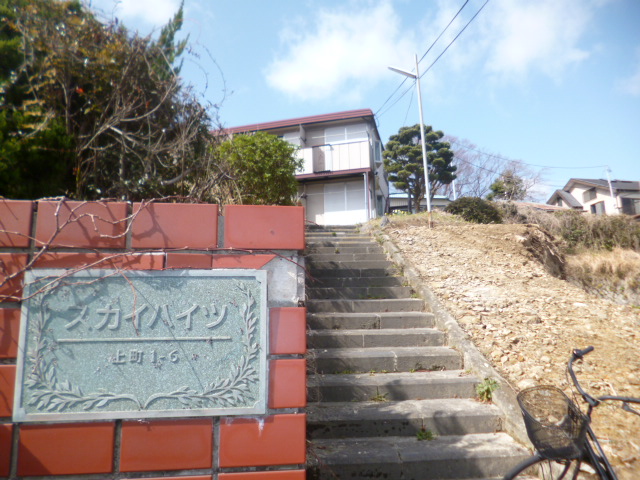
x=599, y=196
x=342, y=180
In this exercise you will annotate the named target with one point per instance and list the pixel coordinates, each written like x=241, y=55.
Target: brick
x=6, y=447
x=272, y=475
x=280, y=440
x=7, y=382
x=166, y=445
x=10, y=263
x=133, y=261
x=288, y=331
x=9, y=331
x=66, y=449
x=188, y=260
x=264, y=227
x=15, y=222
x=81, y=224
x=241, y=261
x=288, y=383
x=174, y=225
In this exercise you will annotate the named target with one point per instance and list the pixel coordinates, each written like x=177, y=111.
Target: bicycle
x=562, y=434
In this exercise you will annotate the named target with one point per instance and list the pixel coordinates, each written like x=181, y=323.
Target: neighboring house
x=399, y=202
x=342, y=180
x=599, y=196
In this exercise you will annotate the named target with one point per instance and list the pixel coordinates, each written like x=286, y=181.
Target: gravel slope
x=526, y=321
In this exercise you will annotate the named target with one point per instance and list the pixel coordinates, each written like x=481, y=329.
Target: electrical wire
x=445, y=29
x=499, y=157
x=422, y=58
x=455, y=38
x=406, y=115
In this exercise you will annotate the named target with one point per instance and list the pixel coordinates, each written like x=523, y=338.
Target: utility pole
x=613, y=197
x=425, y=164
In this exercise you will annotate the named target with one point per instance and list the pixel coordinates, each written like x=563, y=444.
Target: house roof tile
x=599, y=182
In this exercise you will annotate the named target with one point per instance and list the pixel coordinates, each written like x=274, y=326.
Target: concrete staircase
x=387, y=397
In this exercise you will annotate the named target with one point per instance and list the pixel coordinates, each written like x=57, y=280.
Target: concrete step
x=315, y=237
x=327, y=282
x=383, y=359
x=348, y=250
x=388, y=271
x=318, y=258
x=339, y=244
x=456, y=416
x=331, y=228
x=367, y=387
x=367, y=338
x=351, y=265
x=366, y=306
x=474, y=456
x=346, y=321
x=359, y=292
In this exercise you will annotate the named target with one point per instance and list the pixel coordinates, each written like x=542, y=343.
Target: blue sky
x=552, y=83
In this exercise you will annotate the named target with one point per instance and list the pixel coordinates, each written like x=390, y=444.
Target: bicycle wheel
x=538, y=468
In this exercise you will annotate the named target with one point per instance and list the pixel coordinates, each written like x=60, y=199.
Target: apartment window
x=630, y=206
x=293, y=138
x=347, y=133
x=589, y=195
x=377, y=152
x=597, y=208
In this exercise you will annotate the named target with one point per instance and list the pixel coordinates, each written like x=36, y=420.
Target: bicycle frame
x=595, y=457
x=592, y=452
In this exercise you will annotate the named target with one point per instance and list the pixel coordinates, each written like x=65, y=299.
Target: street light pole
x=425, y=164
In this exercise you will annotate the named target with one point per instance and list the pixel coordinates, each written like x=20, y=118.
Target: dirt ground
x=527, y=321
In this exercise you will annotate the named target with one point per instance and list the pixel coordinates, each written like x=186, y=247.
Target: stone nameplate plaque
x=105, y=344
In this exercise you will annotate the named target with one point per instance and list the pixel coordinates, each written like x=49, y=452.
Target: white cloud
x=343, y=53
x=541, y=35
x=147, y=12
x=631, y=84
x=346, y=51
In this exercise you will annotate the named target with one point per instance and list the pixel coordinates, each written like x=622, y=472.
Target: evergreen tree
x=403, y=162
x=508, y=186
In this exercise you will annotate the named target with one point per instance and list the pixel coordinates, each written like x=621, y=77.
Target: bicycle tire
x=538, y=468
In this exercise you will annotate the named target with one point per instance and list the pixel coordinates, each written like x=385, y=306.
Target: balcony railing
x=336, y=157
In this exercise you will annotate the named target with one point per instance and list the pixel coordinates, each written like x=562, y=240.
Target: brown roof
x=543, y=206
x=328, y=117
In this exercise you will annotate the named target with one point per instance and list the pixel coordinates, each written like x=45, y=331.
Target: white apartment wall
x=342, y=147
x=335, y=203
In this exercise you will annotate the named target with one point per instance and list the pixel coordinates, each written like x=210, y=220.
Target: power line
x=455, y=38
x=425, y=54
x=500, y=157
x=445, y=29
x=408, y=108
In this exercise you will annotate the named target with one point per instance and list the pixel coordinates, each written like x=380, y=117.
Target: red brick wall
x=154, y=237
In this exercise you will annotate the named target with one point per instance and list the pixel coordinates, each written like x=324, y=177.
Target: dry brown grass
x=602, y=252
x=580, y=230
x=614, y=275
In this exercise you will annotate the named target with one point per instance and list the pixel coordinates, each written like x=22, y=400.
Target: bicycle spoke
x=552, y=470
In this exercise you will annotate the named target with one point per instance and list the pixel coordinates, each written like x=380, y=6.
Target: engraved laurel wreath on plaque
x=113, y=344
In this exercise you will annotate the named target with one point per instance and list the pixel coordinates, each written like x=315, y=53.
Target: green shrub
x=474, y=209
